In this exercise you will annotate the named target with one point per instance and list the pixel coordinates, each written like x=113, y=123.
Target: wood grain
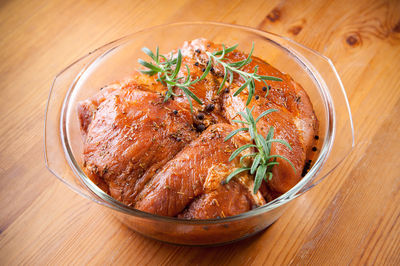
x=351, y=218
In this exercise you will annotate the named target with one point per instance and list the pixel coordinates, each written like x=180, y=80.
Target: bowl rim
x=112, y=203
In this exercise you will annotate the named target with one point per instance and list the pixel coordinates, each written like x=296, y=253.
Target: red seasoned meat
x=194, y=179
x=160, y=157
x=131, y=136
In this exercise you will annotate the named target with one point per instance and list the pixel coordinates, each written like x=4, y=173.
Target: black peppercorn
x=257, y=97
x=200, y=127
x=210, y=107
x=264, y=88
x=314, y=148
x=316, y=137
x=197, y=51
x=200, y=116
x=307, y=166
x=175, y=112
x=203, y=69
x=226, y=90
x=196, y=64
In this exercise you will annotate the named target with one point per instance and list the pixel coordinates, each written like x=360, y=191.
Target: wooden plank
x=351, y=218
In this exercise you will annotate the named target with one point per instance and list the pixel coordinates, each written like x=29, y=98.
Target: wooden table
x=352, y=217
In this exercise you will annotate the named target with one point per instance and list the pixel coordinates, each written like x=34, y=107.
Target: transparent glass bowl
x=118, y=59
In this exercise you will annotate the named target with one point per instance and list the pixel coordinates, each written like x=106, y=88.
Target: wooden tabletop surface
x=351, y=217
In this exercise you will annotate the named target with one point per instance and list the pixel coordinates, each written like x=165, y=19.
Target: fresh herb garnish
x=167, y=70
x=230, y=68
x=263, y=161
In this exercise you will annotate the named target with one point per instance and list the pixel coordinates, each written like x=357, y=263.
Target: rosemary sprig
x=263, y=160
x=167, y=70
x=235, y=67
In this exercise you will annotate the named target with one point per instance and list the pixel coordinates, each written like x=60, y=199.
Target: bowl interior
x=119, y=59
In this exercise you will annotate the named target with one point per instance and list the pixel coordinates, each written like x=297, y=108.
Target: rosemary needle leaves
x=230, y=68
x=167, y=70
x=263, y=160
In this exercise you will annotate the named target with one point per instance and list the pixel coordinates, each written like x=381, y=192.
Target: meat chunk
x=295, y=121
x=131, y=136
x=87, y=108
x=228, y=200
x=191, y=184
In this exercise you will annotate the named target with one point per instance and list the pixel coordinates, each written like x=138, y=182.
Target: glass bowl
x=117, y=60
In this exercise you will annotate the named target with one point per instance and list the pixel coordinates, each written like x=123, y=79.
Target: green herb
x=167, y=70
x=231, y=68
x=263, y=161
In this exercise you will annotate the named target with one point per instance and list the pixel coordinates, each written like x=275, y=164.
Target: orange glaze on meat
x=195, y=176
x=153, y=155
x=132, y=135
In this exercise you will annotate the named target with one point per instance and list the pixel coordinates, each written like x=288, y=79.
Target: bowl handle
x=54, y=152
x=341, y=136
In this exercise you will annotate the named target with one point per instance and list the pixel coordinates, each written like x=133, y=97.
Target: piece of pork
x=192, y=184
x=130, y=137
x=295, y=121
